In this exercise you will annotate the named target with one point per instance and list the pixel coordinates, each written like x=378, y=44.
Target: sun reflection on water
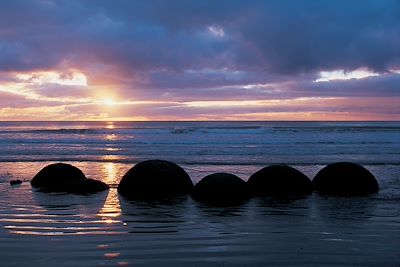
x=111, y=208
x=112, y=149
x=110, y=157
x=110, y=125
x=110, y=137
x=110, y=172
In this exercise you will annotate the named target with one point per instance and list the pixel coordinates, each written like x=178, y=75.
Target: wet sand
x=105, y=229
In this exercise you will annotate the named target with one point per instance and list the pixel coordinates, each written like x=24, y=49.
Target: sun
x=108, y=102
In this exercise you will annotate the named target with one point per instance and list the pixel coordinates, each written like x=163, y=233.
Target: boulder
x=55, y=177
x=15, y=182
x=155, y=179
x=345, y=178
x=279, y=180
x=221, y=189
x=62, y=177
x=87, y=186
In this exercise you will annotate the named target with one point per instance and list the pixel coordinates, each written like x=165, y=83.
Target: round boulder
x=279, y=180
x=62, y=177
x=345, y=178
x=154, y=179
x=55, y=177
x=221, y=189
x=87, y=186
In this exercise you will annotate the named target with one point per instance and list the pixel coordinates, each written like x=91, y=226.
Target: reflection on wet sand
x=335, y=211
x=155, y=217
x=55, y=214
x=62, y=214
x=111, y=208
x=223, y=211
x=295, y=206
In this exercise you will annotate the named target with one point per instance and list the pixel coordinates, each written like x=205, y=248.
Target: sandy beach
x=106, y=229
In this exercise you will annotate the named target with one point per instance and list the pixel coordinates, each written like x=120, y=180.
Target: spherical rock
x=345, y=178
x=55, y=177
x=154, y=179
x=221, y=189
x=62, y=177
x=279, y=180
x=15, y=182
x=87, y=186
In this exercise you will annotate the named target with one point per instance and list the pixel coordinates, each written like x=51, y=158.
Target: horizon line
x=199, y=121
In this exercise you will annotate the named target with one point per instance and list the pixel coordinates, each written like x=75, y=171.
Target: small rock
x=15, y=182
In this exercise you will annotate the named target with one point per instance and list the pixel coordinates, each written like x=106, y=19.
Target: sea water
x=104, y=229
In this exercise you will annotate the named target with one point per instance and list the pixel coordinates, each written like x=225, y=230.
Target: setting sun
x=108, y=102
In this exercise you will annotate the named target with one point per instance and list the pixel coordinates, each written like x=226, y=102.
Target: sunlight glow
x=109, y=102
x=327, y=76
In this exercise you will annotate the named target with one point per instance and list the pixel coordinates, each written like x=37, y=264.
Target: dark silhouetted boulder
x=155, y=179
x=221, y=189
x=345, y=178
x=15, y=182
x=56, y=176
x=279, y=180
x=61, y=177
x=87, y=186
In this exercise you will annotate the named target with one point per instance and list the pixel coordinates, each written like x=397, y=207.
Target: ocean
x=104, y=229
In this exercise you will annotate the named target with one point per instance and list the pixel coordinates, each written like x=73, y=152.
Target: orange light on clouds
x=67, y=95
x=25, y=84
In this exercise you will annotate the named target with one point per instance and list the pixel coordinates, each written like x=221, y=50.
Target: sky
x=199, y=60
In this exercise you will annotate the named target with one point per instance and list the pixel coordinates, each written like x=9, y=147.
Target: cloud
x=278, y=36
x=327, y=76
x=81, y=52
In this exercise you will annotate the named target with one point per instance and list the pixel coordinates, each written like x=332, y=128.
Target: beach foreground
x=105, y=229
